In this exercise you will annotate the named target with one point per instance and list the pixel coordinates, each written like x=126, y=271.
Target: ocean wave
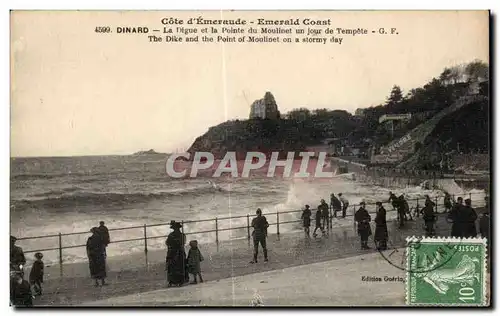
x=48, y=200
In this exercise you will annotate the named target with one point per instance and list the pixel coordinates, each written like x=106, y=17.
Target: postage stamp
x=446, y=272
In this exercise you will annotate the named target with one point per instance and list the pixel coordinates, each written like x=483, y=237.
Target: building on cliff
x=265, y=108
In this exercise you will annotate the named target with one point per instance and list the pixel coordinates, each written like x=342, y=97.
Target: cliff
x=263, y=135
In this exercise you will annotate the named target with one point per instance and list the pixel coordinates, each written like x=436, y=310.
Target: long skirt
x=176, y=268
x=97, y=266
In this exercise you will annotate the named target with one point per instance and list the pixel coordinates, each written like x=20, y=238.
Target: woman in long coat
x=381, y=234
x=97, y=259
x=176, y=256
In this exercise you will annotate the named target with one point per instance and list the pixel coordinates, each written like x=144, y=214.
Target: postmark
x=397, y=257
x=458, y=281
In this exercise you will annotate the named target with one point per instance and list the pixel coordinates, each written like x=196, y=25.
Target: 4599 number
x=103, y=29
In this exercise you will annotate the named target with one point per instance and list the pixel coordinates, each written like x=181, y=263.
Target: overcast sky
x=77, y=92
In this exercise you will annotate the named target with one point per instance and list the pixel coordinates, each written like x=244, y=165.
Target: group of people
x=177, y=265
x=463, y=218
x=96, y=253
x=180, y=267
x=22, y=292
x=324, y=214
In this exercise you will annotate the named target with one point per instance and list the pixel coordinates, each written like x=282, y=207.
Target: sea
x=70, y=195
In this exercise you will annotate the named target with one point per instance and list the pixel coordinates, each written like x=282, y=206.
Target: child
x=36, y=274
x=194, y=258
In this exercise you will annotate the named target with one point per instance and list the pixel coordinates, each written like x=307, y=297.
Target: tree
x=300, y=114
x=477, y=71
x=394, y=99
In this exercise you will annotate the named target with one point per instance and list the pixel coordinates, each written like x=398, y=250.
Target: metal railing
x=217, y=230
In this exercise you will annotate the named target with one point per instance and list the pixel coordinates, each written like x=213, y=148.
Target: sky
x=78, y=92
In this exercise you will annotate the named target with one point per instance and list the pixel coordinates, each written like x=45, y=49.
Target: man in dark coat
x=484, y=225
x=259, y=234
x=97, y=259
x=364, y=230
x=324, y=214
x=429, y=218
x=318, y=223
x=381, y=234
x=335, y=205
x=176, y=263
x=104, y=232
x=17, y=258
x=469, y=217
x=393, y=199
x=20, y=294
x=306, y=220
x=454, y=215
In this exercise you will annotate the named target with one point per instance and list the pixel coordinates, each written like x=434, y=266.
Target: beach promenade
x=130, y=274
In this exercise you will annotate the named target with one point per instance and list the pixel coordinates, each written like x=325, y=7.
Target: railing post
x=216, y=231
x=248, y=226
x=470, y=196
x=60, y=255
x=145, y=239
x=278, y=223
x=436, y=204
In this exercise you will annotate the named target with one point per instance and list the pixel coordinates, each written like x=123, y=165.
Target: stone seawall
x=402, y=178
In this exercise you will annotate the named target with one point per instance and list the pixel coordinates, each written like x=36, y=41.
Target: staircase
x=398, y=149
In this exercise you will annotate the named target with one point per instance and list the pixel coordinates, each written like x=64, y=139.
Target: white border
x=447, y=240
x=190, y=4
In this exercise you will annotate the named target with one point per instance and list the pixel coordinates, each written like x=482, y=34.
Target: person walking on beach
x=455, y=217
x=381, y=233
x=36, y=274
x=306, y=220
x=325, y=214
x=364, y=230
x=104, y=232
x=97, y=259
x=259, y=235
x=176, y=256
x=335, y=205
x=345, y=204
x=318, y=219
x=194, y=259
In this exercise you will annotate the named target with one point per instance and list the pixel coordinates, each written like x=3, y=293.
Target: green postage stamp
x=446, y=272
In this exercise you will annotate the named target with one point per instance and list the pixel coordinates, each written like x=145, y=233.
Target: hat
x=340, y=194
x=174, y=224
x=379, y=203
x=39, y=255
x=307, y=206
x=94, y=230
x=362, y=203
